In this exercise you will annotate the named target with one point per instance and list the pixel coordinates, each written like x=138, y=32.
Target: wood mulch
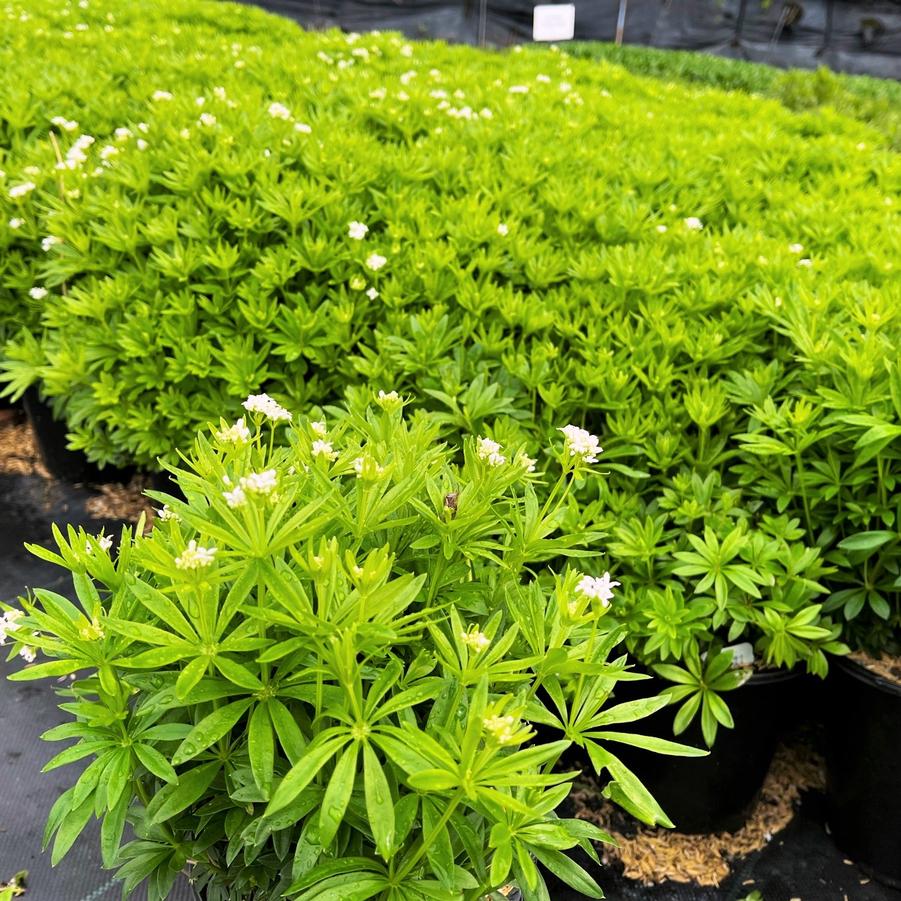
x=655, y=855
x=19, y=455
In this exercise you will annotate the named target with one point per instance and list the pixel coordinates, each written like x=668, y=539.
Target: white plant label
x=554, y=22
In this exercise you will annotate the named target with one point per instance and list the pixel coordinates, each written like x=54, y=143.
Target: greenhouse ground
x=799, y=864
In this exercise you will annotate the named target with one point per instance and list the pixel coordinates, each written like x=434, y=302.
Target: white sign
x=554, y=22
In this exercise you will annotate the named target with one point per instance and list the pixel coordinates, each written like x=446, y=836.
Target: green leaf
x=173, y=799
x=379, y=803
x=337, y=795
x=155, y=762
x=261, y=748
x=210, y=729
x=866, y=541
x=316, y=755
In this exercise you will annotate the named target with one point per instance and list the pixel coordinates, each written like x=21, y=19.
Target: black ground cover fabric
x=857, y=36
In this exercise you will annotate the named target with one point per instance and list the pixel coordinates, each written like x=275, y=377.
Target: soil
x=888, y=668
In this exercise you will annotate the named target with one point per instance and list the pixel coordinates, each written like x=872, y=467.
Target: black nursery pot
x=863, y=775
x=62, y=463
x=713, y=793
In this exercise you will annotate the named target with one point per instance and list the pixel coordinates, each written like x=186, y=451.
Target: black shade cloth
x=862, y=37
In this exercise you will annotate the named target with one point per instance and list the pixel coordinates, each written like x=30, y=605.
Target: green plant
x=718, y=303
x=15, y=888
x=316, y=676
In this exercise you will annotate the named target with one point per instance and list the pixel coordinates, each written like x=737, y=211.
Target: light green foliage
x=873, y=100
x=317, y=675
x=706, y=280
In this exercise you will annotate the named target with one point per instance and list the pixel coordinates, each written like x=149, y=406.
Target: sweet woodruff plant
x=321, y=673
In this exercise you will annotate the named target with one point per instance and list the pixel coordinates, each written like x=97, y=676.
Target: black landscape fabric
x=862, y=37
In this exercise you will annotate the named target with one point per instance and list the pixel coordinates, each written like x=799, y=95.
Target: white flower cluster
x=8, y=624
x=50, y=241
x=37, y=293
x=322, y=448
x=261, y=483
x=64, y=123
x=474, y=639
x=597, y=588
x=501, y=728
x=17, y=191
x=580, y=443
x=692, y=223
x=375, y=261
x=357, y=230
x=76, y=155
x=235, y=434
x=195, y=557
x=105, y=542
x=490, y=451
x=271, y=409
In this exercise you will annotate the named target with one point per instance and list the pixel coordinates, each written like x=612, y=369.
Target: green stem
x=427, y=840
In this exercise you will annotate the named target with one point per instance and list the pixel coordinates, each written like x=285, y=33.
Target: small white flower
x=438, y=94
x=692, y=223
x=406, y=50
x=16, y=222
x=490, y=451
x=29, y=655
x=501, y=728
x=108, y=151
x=375, y=261
x=279, y=111
x=322, y=448
x=661, y=229
x=544, y=79
x=21, y=190
x=64, y=123
x=597, y=588
x=519, y=89
x=104, y=541
x=122, y=133
x=235, y=434
x=8, y=623
x=185, y=133
x=796, y=248
x=357, y=230
x=207, y=119
x=271, y=409
x=580, y=443
x=378, y=93
x=37, y=293
x=367, y=468
x=526, y=462
x=219, y=92
x=319, y=428
x=143, y=127
x=161, y=95
x=165, y=514
x=503, y=229
x=200, y=101
x=372, y=294
x=806, y=263
x=235, y=498
x=303, y=128
x=141, y=144
x=474, y=639
x=260, y=482
x=32, y=170
x=50, y=241
x=388, y=400
x=195, y=557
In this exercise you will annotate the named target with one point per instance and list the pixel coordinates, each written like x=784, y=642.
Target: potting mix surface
x=784, y=852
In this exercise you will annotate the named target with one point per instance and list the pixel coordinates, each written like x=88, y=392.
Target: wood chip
x=125, y=502
x=884, y=665
x=18, y=449
x=654, y=855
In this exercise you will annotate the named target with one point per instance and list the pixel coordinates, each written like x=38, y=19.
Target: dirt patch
x=654, y=855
